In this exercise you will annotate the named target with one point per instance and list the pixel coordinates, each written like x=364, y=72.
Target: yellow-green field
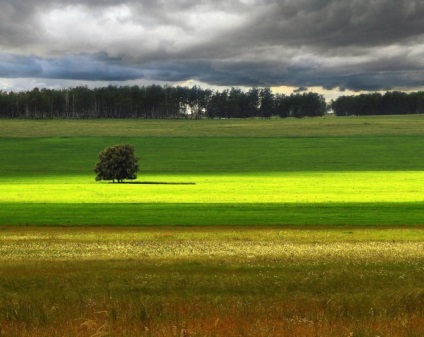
x=171, y=244
x=364, y=170
x=288, y=187
x=211, y=282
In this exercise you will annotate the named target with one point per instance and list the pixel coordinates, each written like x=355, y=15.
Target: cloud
x=346, y=44
x=300, y=89
x=73, y=67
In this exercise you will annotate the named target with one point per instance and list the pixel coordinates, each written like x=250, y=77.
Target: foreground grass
x=211, y=282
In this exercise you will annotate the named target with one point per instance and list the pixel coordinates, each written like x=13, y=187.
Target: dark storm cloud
x=346, y=44
x=72, y=67
x=333, y=24
x=300, y=89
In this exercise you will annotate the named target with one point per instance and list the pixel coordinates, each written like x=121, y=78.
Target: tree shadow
x=153, y=183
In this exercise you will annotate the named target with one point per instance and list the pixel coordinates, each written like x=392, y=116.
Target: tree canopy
x=389, y=103
x=117, y=163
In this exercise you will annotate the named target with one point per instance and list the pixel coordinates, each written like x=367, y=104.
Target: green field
x=290, y=127
x=253, y=172
x=257, y=228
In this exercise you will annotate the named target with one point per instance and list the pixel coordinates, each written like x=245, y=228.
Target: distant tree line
x=390, y=103
x=155, y=101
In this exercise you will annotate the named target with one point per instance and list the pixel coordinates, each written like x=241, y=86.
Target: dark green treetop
x=117, y=163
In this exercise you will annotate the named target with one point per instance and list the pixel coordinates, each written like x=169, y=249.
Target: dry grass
x=202, y=282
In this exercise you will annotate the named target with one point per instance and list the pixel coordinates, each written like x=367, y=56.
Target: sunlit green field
x=291, y=187
x=201, y=177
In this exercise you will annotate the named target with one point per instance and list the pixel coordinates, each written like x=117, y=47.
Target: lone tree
x=117, y=163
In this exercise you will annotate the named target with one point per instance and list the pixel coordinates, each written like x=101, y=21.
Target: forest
x=171, y=102
x=389, y=103
x=155, y=101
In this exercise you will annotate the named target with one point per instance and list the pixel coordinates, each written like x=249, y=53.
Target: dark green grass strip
x=23, y=158
x=212, y=214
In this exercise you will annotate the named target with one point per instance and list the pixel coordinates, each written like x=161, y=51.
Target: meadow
x=307, y=227
x=224, y=172
x=208, y=281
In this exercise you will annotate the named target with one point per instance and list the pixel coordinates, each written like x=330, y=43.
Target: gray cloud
x=300, y=89
x=72, y=67
x=346, y=44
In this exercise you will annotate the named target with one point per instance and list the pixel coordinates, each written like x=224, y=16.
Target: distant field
x=289, y=127
x=226, y=179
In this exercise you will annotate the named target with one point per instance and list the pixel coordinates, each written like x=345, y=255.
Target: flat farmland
x=215, y=172
x=308, y=227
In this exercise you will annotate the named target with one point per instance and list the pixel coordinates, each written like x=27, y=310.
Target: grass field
x=237, y=228
x=215, y=172
x=290, y=127
x=211, y=282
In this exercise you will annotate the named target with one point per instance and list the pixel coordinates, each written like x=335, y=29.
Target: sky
x=329, y=46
